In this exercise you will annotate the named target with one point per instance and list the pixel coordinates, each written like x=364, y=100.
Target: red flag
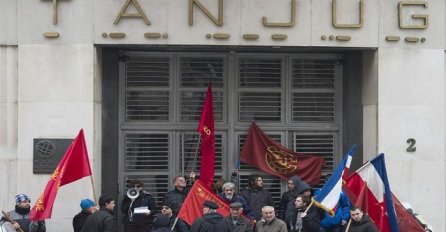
x=192, y=207
x=273, y=158
x=73, y=166
x=370, y=189
x=206, y=128
x=406, y=221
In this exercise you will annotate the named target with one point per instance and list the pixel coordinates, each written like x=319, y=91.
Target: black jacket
x=257, y=198
x=161, y=224
x=79, y=220
x=211, y=222
x=180, y=226
x=100, y=221
x=176, y=198
x=242, y=225
x=143, y=200
x=311, y=222
x=364, y=225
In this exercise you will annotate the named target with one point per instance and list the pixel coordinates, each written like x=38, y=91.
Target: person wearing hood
x=256, y=196
x=360, y=222
x=161, y=223
x=88, y=207
x=211, y=221
x=299, y=187
x=20, y=216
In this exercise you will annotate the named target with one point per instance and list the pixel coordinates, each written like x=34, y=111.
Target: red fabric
x=206, y=129
x=406, y=221
x=73, y=166
x=273, y=158
x=192, y=207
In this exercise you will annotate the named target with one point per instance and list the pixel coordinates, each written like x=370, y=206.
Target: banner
x=73, y=166
x=273, y=158
x=192, y=207
x=206, y=129
x=370, y=189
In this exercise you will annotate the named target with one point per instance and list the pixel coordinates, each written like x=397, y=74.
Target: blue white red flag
x=329, y=195
x=376, y=197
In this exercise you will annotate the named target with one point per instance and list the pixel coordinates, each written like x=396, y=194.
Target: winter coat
x=288, y=198
x=257, y=198
x=21, y=216
x=364, y=225
x=176, y=197
x=210, y=222
x=242, y=225
x=100, y=221
x=143, y=200
x=161, y=224
x=276, y=225
x=311, y=222
x=342, y=212
x=180, y=226
x=79, y=220
x=237, y=198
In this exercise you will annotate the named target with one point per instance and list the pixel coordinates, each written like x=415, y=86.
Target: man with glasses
x=236, y=221
x=138, y=208
x=175, y=223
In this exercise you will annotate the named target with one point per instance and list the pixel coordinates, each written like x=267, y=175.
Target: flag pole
x=94, y=191
x=196, y=152
x=308, y=208
x=348, y=225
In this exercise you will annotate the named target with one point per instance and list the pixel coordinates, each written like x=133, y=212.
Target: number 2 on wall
x=411, y=142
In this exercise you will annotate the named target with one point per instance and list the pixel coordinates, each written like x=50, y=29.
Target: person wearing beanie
x=102, y=220
x=139, y=211
x=211, y=221
x=175, y=224
x=20, y=216
x=87, y=208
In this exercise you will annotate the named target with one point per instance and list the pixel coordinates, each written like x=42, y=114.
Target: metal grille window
x=294, y=98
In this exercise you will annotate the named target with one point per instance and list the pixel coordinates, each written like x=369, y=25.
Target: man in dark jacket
x=236, y=221
x=304, y=220
x=88, y=207
x=138, y=210
x=256, y=196
x=103, y=219
x=359, y=222
x=289, y=197
x=20, y=216
x=179, y=193
x=211, y=221
x=175, y=224
x=161, y=224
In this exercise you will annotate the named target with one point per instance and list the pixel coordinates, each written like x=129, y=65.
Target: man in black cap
x=211, y=221
x=236, y=221
x=175, y=223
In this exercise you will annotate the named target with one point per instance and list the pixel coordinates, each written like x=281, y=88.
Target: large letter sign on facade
x=122, y=13
x=218, y=22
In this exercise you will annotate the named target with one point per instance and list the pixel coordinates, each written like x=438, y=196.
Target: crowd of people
x=251, y=210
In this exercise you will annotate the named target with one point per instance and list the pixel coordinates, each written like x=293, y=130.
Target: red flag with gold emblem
x=206, y=129
x=271, y=157
x=192, y=207
x=73, y=166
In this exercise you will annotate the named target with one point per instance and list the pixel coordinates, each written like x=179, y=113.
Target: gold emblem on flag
x=280, y=161
x=39, y=204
